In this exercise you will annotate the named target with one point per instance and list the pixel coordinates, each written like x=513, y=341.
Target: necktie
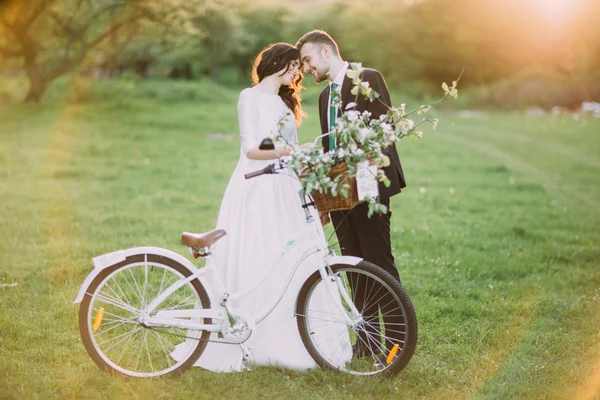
x=332, y=116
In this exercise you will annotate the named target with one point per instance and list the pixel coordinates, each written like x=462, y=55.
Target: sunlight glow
x=555, y=10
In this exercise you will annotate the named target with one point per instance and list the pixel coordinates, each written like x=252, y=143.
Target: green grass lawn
x=496, y=238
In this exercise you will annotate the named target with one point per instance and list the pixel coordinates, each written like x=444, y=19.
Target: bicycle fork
x=354, y=317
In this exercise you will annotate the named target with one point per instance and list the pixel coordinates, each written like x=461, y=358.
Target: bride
x=260, y=216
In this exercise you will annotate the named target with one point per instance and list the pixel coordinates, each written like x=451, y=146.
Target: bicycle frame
x=218, y=293
x=171, y=317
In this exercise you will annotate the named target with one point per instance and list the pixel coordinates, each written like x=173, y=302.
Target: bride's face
x=287, y=77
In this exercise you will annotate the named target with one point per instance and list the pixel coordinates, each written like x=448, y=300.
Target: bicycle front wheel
x=113, y=331
x=358, y=321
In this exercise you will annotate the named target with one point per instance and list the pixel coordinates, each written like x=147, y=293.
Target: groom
x=358, y=235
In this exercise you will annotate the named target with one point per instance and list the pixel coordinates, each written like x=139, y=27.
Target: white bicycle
x=141, y=306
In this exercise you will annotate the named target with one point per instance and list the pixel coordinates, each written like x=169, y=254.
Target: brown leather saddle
x=201, y=240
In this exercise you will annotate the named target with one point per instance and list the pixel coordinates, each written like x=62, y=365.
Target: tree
x=53, y=37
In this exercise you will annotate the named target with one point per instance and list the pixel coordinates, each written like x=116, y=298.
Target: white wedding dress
x=261, y=216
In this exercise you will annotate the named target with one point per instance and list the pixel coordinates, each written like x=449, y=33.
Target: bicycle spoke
x=325, y=334
x=124, y=348
x=323, y=312
x=116, y=317
x=114, y=344
x=112, y=293
x=323, y=319
x=339, y=344
x=138, y=358
x=165, y=352
x=147, y=350
x=105, y=330
x=389, y=337
x=145, y=285
x=139, y=291
x=330, y=339
x=125, y=298
x=177, y=305
x=160, y=290
x=116, y=303
x=366, y=345
x=368, y=304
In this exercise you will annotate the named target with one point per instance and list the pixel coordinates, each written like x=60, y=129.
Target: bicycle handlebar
x=269, y=169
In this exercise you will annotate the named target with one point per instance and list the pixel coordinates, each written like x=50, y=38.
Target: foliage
x=53, y=38
x=360, y=141
x=415, y=44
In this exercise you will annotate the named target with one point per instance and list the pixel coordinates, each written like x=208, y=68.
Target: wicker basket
x=326, y=202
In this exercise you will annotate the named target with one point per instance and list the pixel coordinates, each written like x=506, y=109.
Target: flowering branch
x=360, y=141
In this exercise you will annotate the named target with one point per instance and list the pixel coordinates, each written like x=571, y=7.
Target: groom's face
x=313, y=62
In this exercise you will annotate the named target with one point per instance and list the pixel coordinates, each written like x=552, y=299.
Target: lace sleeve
x=248, y=120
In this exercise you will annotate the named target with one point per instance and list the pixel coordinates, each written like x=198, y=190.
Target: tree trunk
x=214, y=71
x=37, y=88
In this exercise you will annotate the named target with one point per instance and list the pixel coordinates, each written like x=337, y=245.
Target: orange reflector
x=98, y=319
x=393, y=352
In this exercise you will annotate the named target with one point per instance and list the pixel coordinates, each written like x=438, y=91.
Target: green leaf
x=386, y=161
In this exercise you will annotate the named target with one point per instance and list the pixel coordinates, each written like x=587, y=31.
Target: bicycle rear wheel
x=380, y=341
x=111, y=327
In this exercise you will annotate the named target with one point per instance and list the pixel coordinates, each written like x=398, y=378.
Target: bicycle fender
x=348, y=260
x=106, y=260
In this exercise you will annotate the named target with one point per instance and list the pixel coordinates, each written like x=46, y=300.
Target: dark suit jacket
x=394, y=170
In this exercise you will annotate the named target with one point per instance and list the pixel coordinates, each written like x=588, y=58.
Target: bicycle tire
x=87, y=317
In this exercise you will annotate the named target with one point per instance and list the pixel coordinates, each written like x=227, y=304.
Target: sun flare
x=556, y=10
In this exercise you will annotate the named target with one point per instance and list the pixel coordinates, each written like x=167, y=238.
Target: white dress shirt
x=339, y=80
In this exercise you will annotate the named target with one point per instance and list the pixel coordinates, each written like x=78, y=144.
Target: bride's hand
x=306, y=146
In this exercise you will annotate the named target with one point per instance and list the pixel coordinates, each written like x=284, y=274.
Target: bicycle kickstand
x=247, y=354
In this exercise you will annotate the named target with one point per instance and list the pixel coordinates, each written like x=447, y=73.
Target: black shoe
x=381, y=362
x=359, y=350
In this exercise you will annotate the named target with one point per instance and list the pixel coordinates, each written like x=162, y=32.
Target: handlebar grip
x=269, y=169
x=254, y=174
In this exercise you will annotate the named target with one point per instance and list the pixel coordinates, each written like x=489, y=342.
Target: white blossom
x=363, y=134
x=387, y=128
x=352, y=115
x=356, y=66
x=325, y=158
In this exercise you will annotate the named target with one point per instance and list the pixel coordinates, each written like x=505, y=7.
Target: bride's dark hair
x=272, y=60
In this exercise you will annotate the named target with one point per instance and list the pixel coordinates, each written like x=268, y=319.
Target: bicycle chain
x=193, y=338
